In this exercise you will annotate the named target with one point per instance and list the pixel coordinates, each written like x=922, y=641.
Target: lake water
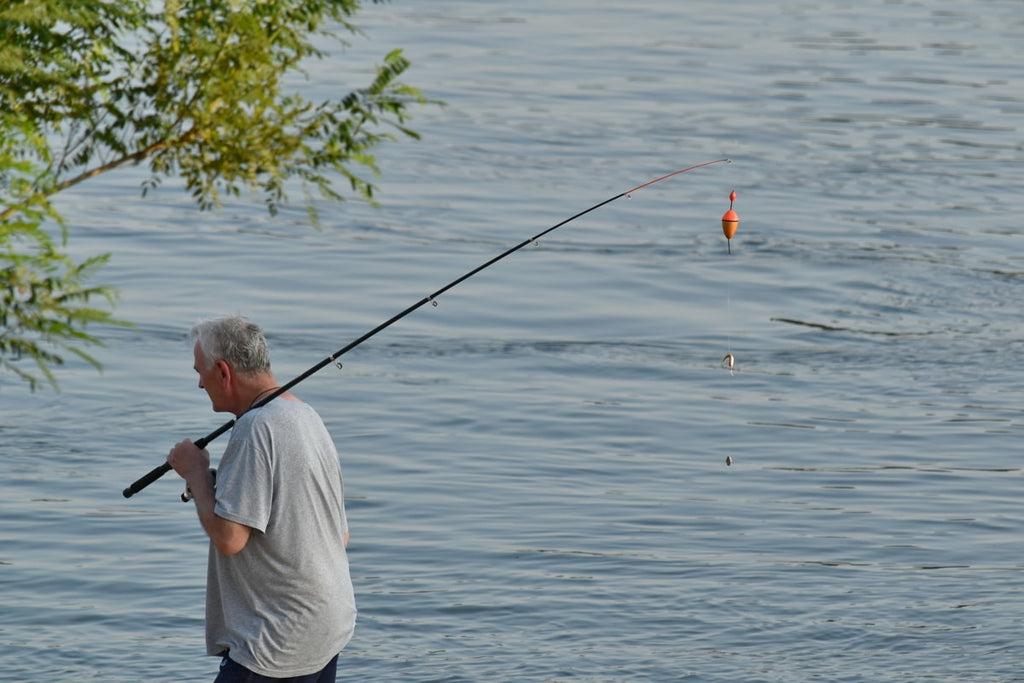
x=536, y=468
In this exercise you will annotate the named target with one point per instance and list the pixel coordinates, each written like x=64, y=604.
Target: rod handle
x=157, y=472
x=146, y=479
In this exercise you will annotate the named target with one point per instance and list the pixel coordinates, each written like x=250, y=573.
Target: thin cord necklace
x=262, y=394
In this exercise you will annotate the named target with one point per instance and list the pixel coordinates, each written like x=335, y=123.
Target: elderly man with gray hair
x=279, y=599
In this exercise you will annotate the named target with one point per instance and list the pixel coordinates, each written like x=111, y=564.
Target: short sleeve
x=244, y=491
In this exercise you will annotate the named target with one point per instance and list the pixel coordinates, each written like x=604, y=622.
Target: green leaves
x=230, y=123
x=44, y=307
x=204, y=90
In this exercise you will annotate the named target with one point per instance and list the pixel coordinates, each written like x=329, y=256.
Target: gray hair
x=235, y=340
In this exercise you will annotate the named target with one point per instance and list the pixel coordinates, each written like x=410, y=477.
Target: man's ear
x=223, y=369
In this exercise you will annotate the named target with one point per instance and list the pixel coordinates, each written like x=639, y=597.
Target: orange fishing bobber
x=730, y=221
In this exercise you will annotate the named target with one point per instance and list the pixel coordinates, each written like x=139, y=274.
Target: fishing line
x=728, y=314
x=157, y=472
x=730, y=221
x=728, y=360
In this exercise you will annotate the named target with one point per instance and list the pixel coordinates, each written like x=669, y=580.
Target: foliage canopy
x=193, y=89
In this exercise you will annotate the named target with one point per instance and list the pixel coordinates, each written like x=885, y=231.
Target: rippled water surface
x=536, y=468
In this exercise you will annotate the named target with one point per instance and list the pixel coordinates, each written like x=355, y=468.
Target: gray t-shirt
x=283, y=605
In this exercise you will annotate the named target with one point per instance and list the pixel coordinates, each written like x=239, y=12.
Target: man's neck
x=253, y=391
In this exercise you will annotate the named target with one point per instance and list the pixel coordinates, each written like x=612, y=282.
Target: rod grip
x=147, y=479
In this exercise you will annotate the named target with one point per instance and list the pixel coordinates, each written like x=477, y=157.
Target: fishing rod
x=157, y=472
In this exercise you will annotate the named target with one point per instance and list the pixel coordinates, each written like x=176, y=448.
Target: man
x=279, y=600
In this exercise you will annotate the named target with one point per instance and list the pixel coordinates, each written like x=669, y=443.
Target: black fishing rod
x=157, y=472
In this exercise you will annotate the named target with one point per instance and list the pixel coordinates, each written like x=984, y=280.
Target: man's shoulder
x=279, y=409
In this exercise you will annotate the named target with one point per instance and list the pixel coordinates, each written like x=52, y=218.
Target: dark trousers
x=233, y=672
